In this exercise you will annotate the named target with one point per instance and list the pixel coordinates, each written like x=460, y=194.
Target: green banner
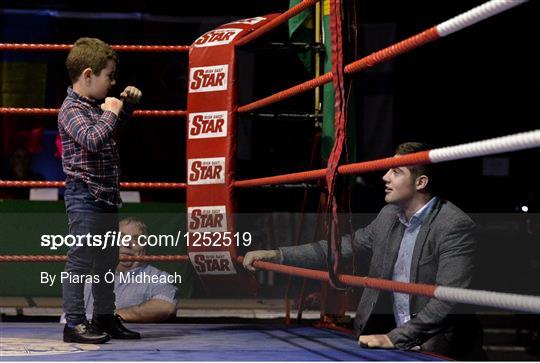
x=301, y=29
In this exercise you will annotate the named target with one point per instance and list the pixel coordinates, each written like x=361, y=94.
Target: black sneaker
x=112, y=325
x=84, y=334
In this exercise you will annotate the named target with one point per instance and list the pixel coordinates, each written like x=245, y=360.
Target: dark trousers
x=88, y=216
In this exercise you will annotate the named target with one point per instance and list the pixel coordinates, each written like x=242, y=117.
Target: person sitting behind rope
x=419, y=238
x=137, y=302
x=20, y=169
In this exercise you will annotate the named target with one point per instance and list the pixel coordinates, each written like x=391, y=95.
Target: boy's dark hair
x=418, y=170
x=88, y=53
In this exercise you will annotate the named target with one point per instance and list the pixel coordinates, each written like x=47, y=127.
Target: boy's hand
x=112, y=104
x=131, y=94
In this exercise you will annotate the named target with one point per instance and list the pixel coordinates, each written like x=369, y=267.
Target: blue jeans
x=86, y=215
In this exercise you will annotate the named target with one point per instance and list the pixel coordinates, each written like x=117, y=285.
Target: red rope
x=282, y=95
x=28, y=111
x=393, y=51
x=61, y=184
x=280, y=19
x=55, y=258
x=340, y=121
x=54, y=111
x=375, y=58
x=152, y=185
x=159, y=113
x=346, y=169
x=31, y=184
x=120, y=48
x=356, y=281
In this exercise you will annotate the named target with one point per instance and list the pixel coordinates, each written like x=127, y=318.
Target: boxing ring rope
x=522, y=303
x=120, y=48
x=457, y=23
x=61, y=184
x=448, y=27
x=63, y=258
x=508, y=143
x=67, y=47
x=54, y=111
x=280, y=19
x=515, y=142
x=500, y=300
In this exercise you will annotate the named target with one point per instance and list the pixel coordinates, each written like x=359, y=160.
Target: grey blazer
x=443, y=255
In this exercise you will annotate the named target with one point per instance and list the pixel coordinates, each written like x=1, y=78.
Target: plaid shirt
x=89, y=152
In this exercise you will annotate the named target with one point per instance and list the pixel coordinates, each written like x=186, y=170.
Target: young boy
x=92, y=197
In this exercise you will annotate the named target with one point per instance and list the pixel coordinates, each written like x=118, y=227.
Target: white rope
x=521, y=141
x=476, y=15
x=501, y=300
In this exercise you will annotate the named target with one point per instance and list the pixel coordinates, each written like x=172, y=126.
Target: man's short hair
x=141, y=226
x=418, y=170
x=89, y=53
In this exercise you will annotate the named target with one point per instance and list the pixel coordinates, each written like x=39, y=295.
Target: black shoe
x=84, y=334
x=112, y=325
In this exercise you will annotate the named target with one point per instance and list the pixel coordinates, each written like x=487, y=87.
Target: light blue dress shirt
x=133, y=293
x=402, y=268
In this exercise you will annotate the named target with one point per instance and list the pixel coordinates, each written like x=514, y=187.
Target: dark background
x=479, y=83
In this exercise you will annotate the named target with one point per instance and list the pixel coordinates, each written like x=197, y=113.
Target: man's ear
x=421, y=182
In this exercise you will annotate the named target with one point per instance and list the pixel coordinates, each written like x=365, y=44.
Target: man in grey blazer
x=417, y=237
